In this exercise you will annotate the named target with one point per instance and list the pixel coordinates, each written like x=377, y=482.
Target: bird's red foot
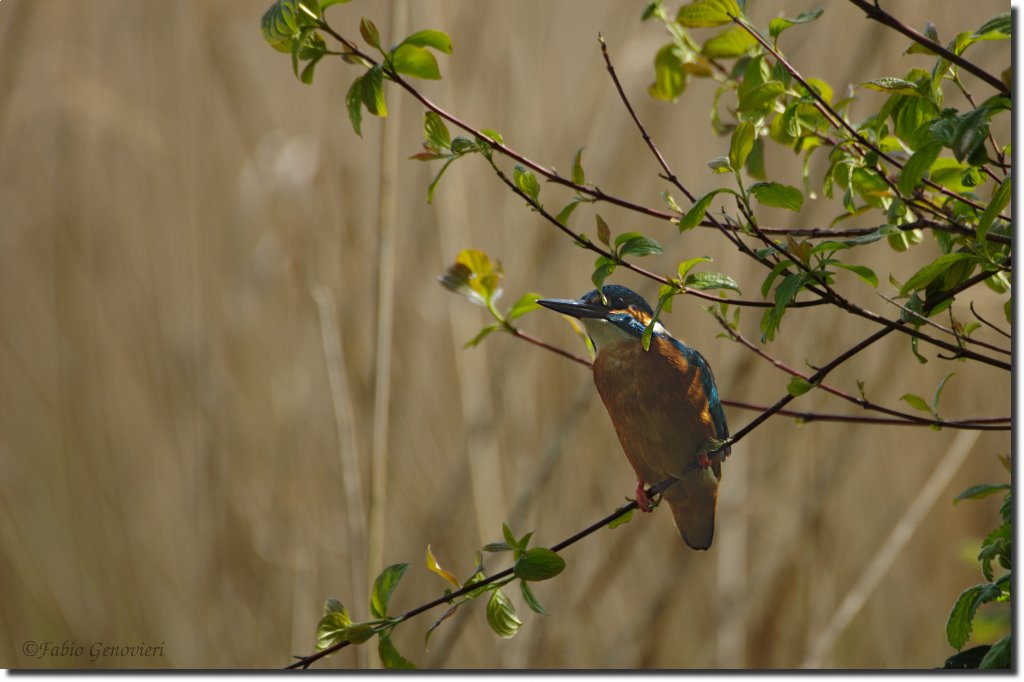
x=702, y=461
x=643, y=500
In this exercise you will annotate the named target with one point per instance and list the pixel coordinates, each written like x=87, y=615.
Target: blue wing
x=710, y=390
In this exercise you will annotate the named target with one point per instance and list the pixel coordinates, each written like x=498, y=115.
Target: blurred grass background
x=194, y=248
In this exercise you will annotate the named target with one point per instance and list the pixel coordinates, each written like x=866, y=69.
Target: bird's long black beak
x=568, y=306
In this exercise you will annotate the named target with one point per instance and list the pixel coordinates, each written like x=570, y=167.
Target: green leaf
x=493, y=134
x=778, y=195
x=923, y=277
x=563, y=215
x=896, y=85
x=415, y=61
x=509, y=537
x=976, y=492
x=531, y=599
x=331, y=630
x=373, y=92
x=332, y=605
x=527, y=303
x=862, y=271
x=637, y=245
x=669, y=76
x=780, y=24
x=732, y=42
x=307, y=73
x=538, y=563
x=526, y=181
x=282, y=23
x=760, y=96
x=687, y=265
x=798, y=386
x=604, y=233
x=369, y=31
x=578, y=176
x=354, y=104
x=501, y=615
x=755, y=161
x=931, y=33
x=621, y=520
x=938, y=392
x=383, y=587
x=671, y=201
x=741, y=143
x=389, y=655
x=916, y=401
x=996, y=545
x=720, y=165
x=961, y=618
x=463, y=145
x=308, y=45
x=705, y=13
x=665, y=296
x=359, y=633
x=333, y=625
x=999, y=201
x=1001, y=23
x=437, y=178
x=787, y=291
x=435, y=39
x=603, y=268
x=436, y=132
x=917, y=167
x=969, y=136
x=999, y=656
x=498, y=547
x=711, y=280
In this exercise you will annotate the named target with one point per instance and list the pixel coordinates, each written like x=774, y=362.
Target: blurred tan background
x=194, y=248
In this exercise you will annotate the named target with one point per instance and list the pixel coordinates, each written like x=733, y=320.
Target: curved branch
x=873, y=11
x=987, y=323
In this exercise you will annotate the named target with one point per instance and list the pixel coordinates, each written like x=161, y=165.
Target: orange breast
x=656, y=401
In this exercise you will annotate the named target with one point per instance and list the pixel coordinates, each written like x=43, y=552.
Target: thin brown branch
x=952, y=332
x=549, y=174
x=987, y=323
x=847, y=232
x=873, y=11
x=591, y=246
x=983, y=423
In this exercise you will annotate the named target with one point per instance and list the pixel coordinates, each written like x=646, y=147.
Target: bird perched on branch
x=663, y=403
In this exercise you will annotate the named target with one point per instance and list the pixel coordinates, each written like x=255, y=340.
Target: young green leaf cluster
x=914, y=159
x=336, y=627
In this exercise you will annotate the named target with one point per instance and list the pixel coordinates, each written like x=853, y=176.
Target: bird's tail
x=692, y=501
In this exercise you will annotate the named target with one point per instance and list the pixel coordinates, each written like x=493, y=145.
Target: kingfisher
x=663, y=403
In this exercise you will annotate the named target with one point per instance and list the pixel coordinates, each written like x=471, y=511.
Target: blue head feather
x=619, y=298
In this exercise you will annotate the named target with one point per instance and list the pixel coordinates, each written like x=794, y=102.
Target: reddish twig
x=981, y=424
